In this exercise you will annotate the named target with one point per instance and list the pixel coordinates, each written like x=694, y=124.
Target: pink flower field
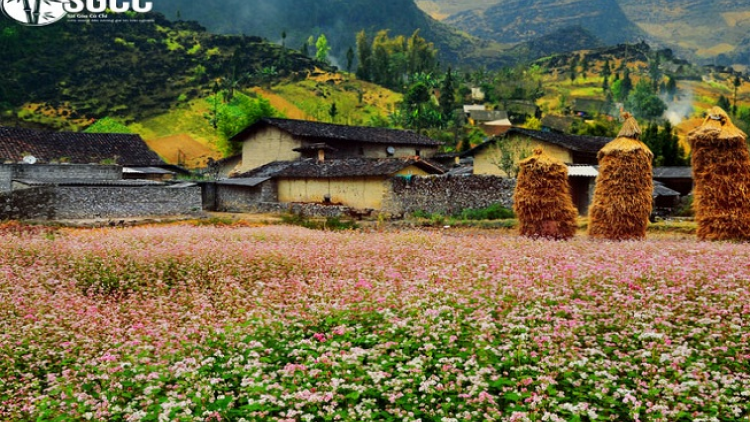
x=277, y=323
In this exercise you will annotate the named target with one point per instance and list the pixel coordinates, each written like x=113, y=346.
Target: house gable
x=267, y=144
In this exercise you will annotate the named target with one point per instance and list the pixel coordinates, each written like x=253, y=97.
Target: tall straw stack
x=623, y=194
x=721, y=176
x=542, y=199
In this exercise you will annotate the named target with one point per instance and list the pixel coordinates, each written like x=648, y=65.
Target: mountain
x=708, y=31
x=338, y=20
x=73, y=71
x=524, y=20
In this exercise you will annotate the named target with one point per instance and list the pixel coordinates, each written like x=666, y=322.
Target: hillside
x=62, y=76
x=524, y=20
x=339, y=20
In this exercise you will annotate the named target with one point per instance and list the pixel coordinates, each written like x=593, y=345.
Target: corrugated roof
x=582, y=171
x=146, y=170
x=77, y=148
x=488, y=115
x=676, y=172
x=320, y=132
x=243, y=181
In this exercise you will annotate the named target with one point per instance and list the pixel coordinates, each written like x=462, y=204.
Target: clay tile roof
x=320, y=132
x=77, y=148
x=579, y=143
x=674, y=172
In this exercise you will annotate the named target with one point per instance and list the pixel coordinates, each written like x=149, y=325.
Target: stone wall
x=234, y=198
x=99, y=202
x=28, y=204
x=9, y=172
x=447, y=194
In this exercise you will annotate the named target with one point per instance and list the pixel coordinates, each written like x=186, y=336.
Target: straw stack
x=623, y=194
x=542, y=198
x=721, y=173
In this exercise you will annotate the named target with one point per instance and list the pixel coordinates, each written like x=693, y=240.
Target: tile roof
x=318, y=132
x=77, y=148
x=353, y=167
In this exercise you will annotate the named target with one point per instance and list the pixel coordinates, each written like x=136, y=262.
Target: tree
x=349, y=59
x=448, y=95
x=723, y=102
x=364, y=57
x=305, y=49
x=644, y=103
x=606, y=70
x=626, y=85
x=573, y=69
x=283, y=38
x=736, y=83
x=322, y=48
x=508, y=153
x=671, y=87
x=333, y=112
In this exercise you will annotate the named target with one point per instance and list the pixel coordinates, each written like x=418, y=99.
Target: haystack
x=542, y=199
x=721, y=177
x=623, y=194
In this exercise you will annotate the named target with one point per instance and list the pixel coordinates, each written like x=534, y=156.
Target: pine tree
x=364, y=57
x=448, y=96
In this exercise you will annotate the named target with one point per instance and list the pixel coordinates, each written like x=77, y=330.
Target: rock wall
x=447, y=194
x=9, y=172
x=99, y=202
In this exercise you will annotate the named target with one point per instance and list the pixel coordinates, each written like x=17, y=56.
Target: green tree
x=333, y=112
x=724, y=103
x=606, y=70
x=322, y=48
x=626, y=85
x=364, y=57
x=736, y=83
x=573, y=69
x=644, y=103
x=448, y=95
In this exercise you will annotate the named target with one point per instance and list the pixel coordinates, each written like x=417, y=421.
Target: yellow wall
x=485, y=159
x=267, y=145
x=360, y=192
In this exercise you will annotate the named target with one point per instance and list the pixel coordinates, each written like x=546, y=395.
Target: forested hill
x=339, y=20
x=130, y=70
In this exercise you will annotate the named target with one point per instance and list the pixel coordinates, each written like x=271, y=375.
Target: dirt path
x=280, y=103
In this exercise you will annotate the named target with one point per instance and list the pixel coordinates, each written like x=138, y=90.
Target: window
x=418, y=153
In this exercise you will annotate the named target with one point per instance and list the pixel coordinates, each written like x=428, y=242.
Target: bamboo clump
x=721, y=176
x=542, y=200
x=623, y=194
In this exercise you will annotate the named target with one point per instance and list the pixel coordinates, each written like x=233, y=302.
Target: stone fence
x=447, y=194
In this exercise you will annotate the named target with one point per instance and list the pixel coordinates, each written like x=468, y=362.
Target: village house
x=295, y=161
x=61, y=175
x=272, y=139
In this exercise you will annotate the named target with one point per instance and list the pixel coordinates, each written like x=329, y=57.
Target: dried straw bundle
x=721, y=175
x=623, y=194
x=542, y=198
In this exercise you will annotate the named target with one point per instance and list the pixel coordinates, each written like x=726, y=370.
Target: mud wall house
x=492, y=122
x=272, y=140
x=578, y=152
x=570, y=149
x=678, y=178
